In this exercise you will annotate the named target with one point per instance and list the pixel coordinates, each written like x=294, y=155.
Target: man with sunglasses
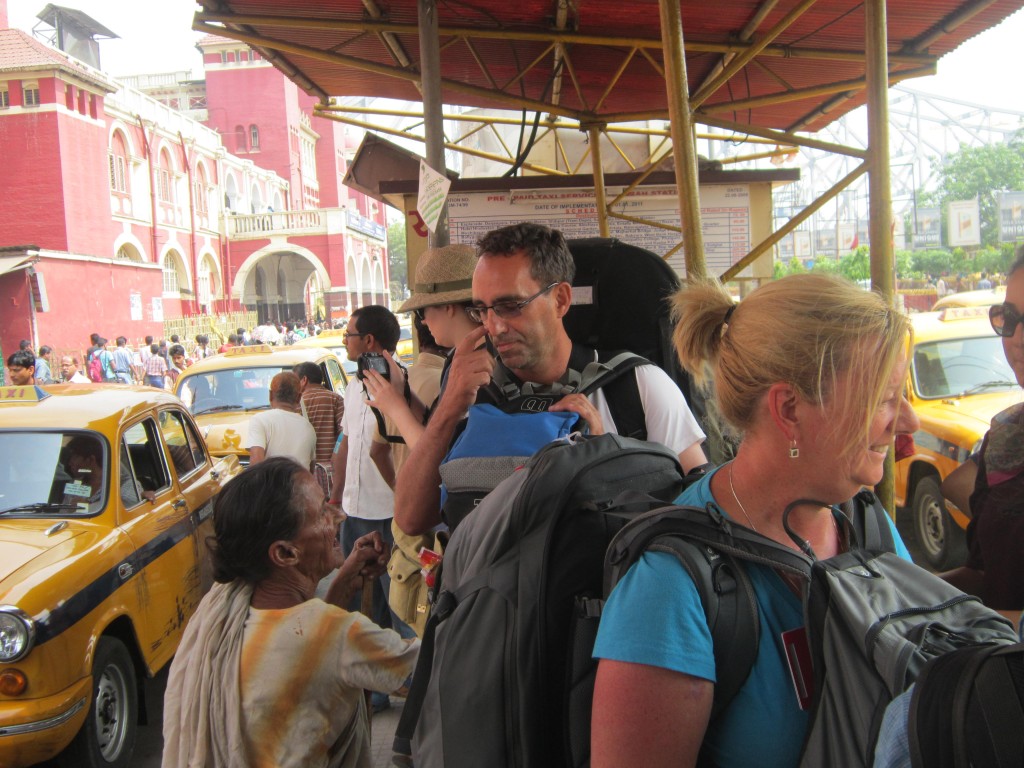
x=995, y=535
x=522, y=288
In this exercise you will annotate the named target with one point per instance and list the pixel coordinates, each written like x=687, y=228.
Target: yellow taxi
x=106, y=497
x=983, y=298
x=334, y=340
x=224, y=391
x=958, y=380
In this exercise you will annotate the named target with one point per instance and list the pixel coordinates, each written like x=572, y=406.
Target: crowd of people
x=155, y=363
x=808, y=371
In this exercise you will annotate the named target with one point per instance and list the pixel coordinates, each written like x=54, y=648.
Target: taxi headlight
x=17, y=633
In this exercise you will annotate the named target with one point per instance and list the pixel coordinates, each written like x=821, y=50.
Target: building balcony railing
x=260, y=225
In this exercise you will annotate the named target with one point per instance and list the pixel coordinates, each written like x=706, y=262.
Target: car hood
x=226, y=434
x=29, y=555
x=974, y=412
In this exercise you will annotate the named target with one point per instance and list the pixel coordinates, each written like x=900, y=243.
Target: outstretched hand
x=387, y=396
x=369, y=557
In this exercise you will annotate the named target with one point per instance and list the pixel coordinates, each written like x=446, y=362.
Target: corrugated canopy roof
x=602, y=60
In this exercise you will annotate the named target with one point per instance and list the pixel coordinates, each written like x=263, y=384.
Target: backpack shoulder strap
x=730, y=609
x=622, y=393
x=869, y=521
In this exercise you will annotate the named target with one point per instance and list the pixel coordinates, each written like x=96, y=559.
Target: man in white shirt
x=365, y=494
x=283, y=430
x=69, y=371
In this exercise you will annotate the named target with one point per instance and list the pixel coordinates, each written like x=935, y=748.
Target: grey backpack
x=873, y=619
x=495, y=684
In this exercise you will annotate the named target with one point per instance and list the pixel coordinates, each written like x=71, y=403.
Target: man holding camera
x=367, y=470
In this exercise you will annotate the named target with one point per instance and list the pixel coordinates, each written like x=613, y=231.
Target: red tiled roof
x=20, y=51
x=212, y=39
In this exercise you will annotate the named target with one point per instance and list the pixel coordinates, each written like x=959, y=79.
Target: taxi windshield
x=233, y=389
x=958, y=367
x=52, y=473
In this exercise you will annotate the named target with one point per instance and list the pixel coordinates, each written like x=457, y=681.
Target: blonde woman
x=809, y=370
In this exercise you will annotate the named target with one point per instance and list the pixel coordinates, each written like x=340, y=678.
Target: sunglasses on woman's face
x=1004, y=319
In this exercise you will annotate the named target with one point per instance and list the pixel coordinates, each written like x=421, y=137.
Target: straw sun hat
x=443, y=276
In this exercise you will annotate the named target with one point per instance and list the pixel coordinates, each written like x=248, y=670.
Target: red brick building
x=121, y=210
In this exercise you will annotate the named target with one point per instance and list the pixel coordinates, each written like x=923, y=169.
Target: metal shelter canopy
x=791, y=64
x=769, y=68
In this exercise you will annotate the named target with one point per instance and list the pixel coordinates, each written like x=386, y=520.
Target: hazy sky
x=157, y=36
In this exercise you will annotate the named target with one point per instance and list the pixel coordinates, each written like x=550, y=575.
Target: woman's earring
x=794, y=452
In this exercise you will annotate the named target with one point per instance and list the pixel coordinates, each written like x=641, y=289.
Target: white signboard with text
x=725, y=217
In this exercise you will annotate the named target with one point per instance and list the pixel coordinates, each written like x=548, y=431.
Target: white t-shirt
x=283, y=433
x=366, y=494
x=668, y=417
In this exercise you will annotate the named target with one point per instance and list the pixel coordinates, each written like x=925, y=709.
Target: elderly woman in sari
x=267, y=674
x=810, y=370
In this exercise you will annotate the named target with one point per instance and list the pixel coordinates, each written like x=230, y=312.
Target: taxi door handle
x=180, y=504
x=215, y=474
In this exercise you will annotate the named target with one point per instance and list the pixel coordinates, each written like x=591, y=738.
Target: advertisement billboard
x=1011, y=217
x=927, y=228
x=963, y=227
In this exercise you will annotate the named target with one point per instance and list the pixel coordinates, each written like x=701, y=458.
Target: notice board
x=735, y=213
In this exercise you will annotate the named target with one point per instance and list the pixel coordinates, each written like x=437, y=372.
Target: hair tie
x=728, y=314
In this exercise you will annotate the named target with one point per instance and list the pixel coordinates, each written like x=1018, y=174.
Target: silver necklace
x=740, y=503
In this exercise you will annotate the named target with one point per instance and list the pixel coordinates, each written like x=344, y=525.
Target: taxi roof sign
x=252, y=349
x=963, y=313
x=27, y=393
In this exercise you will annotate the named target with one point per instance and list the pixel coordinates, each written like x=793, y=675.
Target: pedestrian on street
x=156, y=368
x=21, y=367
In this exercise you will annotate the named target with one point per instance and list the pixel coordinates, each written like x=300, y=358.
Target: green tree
x=398, y=265
x=982, y=172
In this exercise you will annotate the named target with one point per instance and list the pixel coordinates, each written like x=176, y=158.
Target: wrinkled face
x=318, y=540
x=1013, y=347
x=527, y=341
x=21, y=375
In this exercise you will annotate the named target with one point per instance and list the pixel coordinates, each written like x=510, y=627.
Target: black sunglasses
x=1004, y=319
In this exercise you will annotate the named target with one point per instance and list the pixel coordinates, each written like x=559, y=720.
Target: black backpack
x=967, y=709
x=518, y=575
x=621, y=300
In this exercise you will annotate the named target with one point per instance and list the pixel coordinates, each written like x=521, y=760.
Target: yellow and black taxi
x=958, y=380
x=224, y=391
x=106, y=497
x=334, y=341
x=985, y=297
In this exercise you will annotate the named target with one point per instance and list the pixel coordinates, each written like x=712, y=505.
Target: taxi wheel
x=942, y=540
x=108, y=737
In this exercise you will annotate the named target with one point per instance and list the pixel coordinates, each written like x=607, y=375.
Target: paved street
x=150, y=743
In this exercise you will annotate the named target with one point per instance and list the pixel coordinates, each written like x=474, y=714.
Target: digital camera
x=372, y=361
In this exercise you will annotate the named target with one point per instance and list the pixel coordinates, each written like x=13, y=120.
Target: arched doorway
x=282, y=285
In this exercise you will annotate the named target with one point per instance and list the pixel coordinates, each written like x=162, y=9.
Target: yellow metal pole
x=883, y=276
x=594, y=133
x=685, y=154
